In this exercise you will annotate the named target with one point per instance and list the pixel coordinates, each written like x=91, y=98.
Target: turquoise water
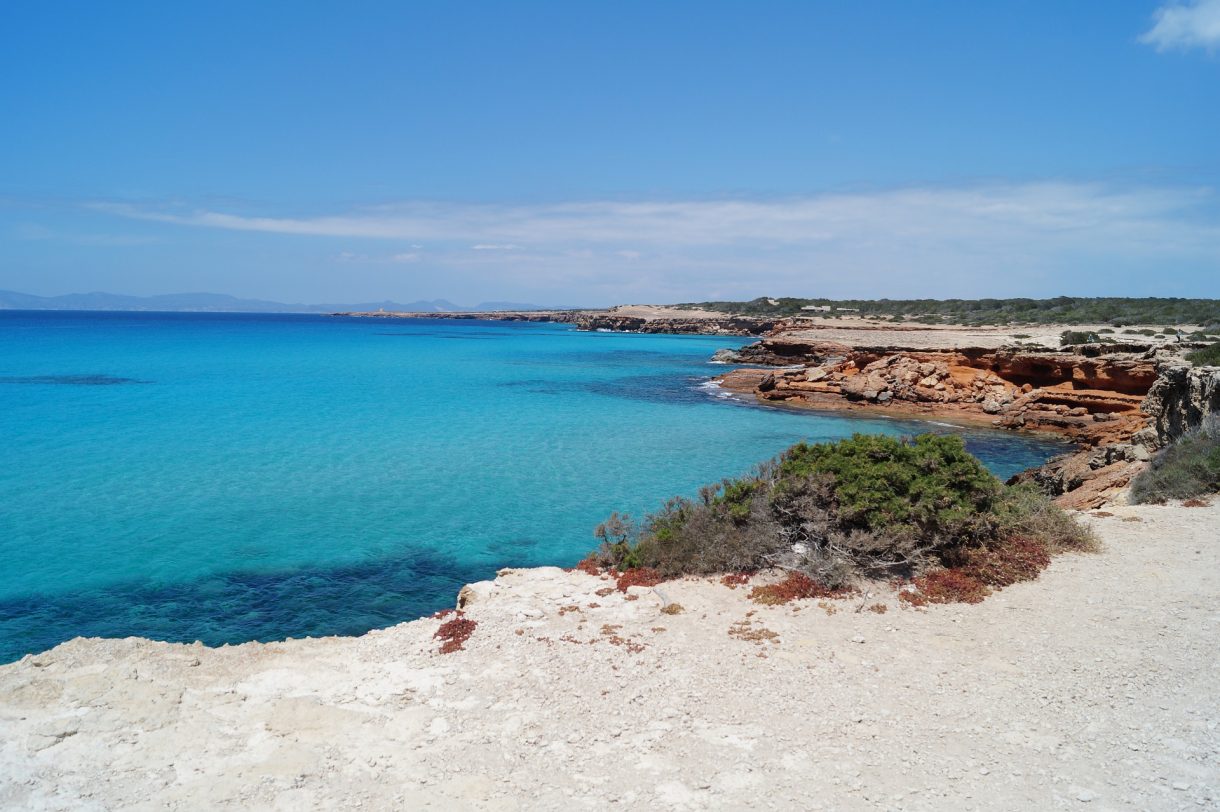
x=237, y=477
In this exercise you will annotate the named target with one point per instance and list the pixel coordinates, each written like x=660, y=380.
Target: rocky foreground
x=1093, y=687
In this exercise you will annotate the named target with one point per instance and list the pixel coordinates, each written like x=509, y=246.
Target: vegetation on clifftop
x=869, y=506
x=1207, y=357
x=1188, y=468
x=1059, y=310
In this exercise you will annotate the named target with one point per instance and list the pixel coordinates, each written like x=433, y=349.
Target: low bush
x=1024, y=511
x=869, y=506
x=945, y=586
x=1188, y=468
x=1207, y=357
x=638, y=576
x=454, y=633
x=794, y=586
x=735, y=579
x=1068, y=337
x=1001, y=565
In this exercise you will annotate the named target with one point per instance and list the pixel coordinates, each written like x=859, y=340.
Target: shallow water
x=250, y=477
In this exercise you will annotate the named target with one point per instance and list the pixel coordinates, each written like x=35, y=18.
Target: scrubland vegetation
x=868, y=507
x=1206, y=357
x=1060, y=310
x=1188, y=468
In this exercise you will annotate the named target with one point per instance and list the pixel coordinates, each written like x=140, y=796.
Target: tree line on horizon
x=1115, y=311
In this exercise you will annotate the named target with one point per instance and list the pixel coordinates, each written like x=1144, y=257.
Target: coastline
x=619, y=319
x=569, y=695
x=1119, y=403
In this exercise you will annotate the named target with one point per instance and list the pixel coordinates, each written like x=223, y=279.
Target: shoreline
x=1119, y=404
x=570, y=693
x=567, y=696
x=620, y=319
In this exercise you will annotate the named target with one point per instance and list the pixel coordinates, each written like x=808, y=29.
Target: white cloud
x=1185, y=25
x=920, y=215
x=1019, y=239
x=354, y=256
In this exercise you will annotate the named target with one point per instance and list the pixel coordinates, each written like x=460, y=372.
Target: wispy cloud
x=906, y=214
x=1185, y=25
x=407, y=258
x=34, y=231
x=984, y=239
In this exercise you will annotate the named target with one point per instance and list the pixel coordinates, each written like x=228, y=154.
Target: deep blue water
x=251, y=477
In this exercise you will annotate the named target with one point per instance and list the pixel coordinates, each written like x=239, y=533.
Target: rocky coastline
x=567, y=692
x=1119, y=403
x=608, y=320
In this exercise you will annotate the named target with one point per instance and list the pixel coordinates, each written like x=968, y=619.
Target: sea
x=236, y=477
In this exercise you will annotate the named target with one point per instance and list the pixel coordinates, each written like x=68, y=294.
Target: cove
x=234, y=477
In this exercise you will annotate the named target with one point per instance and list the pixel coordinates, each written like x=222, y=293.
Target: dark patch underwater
x=237, y=607
x=68, y=380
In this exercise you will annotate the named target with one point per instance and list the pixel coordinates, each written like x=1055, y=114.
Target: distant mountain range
x=220, y=303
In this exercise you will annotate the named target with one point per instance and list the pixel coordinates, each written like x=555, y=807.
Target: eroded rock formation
x=1120, y=404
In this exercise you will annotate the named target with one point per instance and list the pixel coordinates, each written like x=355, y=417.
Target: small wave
x=714, y=388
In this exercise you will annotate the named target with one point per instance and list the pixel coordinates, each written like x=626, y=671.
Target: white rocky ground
x=876, y=333
x=1097, y=687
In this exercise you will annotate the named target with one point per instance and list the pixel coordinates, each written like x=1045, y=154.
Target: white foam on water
x=714, y=389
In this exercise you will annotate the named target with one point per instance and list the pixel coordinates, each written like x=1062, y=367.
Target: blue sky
x=608, y=152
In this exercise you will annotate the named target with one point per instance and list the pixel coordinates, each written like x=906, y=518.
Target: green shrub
x=1206, y=357
x=1188, y=468
x=1065, y=310
x=1024, y=511
x=615, y=535
x=870, y=505
x=1068, y=337
x=932, y=483
x=736, y=497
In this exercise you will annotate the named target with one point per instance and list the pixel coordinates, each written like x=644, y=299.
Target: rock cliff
x=1180, y=398
x=1120, y=403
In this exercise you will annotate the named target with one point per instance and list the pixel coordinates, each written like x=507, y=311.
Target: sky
x=601, y=153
